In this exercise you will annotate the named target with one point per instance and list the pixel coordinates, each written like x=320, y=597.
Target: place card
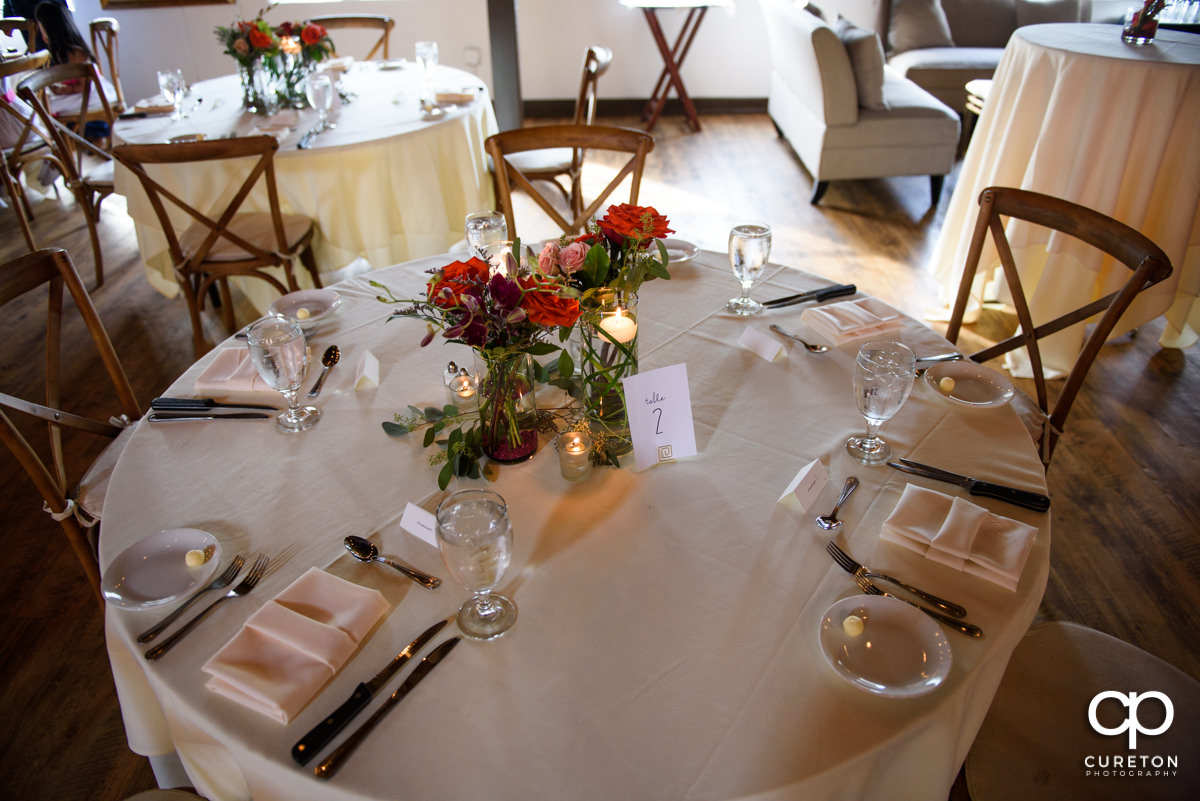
x=807, y=485
x=366, y=375
x=420, y=523
x=765, y=345
x=659, y=407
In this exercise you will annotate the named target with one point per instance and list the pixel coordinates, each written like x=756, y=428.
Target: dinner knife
x=825, y=293
x=334, y=761
x=1018, y=497
x=189, y=404
x=324, y=731
x=164, y=417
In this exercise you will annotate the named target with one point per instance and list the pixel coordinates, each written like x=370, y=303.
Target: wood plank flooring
x=1125, y=480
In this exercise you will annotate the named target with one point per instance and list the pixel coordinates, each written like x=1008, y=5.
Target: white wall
x=728, y=57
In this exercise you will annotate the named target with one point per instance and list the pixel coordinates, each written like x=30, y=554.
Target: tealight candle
x=574, y=455
x=461, y=389
x=620, y=326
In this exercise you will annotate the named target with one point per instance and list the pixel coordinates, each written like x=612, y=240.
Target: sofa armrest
x=808, y=57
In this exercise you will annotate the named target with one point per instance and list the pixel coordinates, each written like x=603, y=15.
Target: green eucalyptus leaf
x=394, y=429
x=445, y=474
x=430, y=435
x=541, y=348
x=432, y=413
x=566, y=365
x=449, y=410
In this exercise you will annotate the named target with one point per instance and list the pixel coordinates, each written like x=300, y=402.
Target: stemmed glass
x=883, y=378
x=427, y=59
x=172, y=86
x=484, y=228
x=318, y=88
x=475, y=539
x=749, y=249
x=280, y=353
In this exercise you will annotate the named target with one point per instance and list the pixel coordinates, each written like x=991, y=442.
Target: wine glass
x=883, y=378
x=484, y=228
x=749, y=248
x=280, y=353
x=427, y=59
x=172, y=86
x=318, y=88
x=474, y=536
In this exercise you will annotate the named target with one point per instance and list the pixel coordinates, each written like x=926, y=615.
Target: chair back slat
x=105, y=33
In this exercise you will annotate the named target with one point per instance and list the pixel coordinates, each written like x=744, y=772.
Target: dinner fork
x=248, y=583
x=847, y=563
x=223, y=580
x=969, y=629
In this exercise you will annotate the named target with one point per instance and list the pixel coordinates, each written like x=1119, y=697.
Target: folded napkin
x=852, y=319
x=293, y=645
x=232, y=370
x=454, y=98
x=154, y=105
x=960, y=535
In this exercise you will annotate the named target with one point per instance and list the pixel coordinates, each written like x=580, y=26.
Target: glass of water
x=318, y=88
x=427, y=59
x=172, y=86
x=280, y=353
x=484, y=228
x=474, y=536
x=749, y=249
x=883, y=379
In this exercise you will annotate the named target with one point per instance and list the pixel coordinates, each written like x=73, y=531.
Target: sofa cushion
x=944, y=71
x=916, y=24
x=1036, y=12
x=980, y=23
x=866, y=58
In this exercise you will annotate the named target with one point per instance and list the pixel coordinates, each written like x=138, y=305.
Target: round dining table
x=1076, y=113
x=392, y=181
x=666, y=644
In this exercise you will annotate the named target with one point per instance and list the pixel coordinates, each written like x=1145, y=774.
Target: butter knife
x=190, y=404
x=324, y=731
x=335, y=760
x=824, y=293
x=1018, y=497
x=164, y=417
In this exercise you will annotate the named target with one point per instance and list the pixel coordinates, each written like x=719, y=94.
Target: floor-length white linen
x=386, y=185
x=666, y=645
x=1076, y=113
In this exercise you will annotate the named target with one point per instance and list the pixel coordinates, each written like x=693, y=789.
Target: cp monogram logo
x=1131, y=724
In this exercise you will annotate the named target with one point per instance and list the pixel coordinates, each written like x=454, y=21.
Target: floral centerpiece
x=273, y=61
x=505, y=316
x=607, y=265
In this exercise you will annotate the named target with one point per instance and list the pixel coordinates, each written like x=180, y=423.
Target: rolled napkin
x=961, y=535
x=288, y=649
x=232, y=370
x=852, y=319
x=154, y=105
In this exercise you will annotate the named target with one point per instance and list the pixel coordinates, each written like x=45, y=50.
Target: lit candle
x=461, y=389
x=620, y=326
x=574, y=455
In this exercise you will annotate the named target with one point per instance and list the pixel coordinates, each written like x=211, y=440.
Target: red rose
x=312, y=33
x=638, y=223
x=458, y=277
x=543, y=306
x=259, y=39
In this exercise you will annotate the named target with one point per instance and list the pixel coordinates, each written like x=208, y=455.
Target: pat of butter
x=852, y=625
x=194, y=558
x=303, y=313
x=946, y=385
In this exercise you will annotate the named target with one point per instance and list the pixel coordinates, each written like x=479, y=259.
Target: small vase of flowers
x=273, y=61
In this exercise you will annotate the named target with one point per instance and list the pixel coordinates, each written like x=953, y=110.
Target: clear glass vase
x=259, y=80
x=608, y=353
x=507, y=406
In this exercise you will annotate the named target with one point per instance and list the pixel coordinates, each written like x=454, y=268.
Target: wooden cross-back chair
x=105, y=32
x=383, y=24
x=30, y=145
x=19, y=27
x=65, y=497
x=86, y=170
x=209, y=248
x=1147, y=266
x=637, y=144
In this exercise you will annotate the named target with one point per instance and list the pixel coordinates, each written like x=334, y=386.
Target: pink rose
x=548, y=258
x=571, y=258
x=241, y=46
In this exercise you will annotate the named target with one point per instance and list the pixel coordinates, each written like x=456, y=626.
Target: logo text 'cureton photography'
x=1127, y=765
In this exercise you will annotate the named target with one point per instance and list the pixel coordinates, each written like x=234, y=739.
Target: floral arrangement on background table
x=273, y=61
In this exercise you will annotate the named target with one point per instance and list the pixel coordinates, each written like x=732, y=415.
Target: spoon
x=365, y=551
x=329, y=359
x=809, y=346
x=941, y=357
x=830, y=521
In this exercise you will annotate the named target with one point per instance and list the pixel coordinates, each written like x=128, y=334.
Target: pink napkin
x=961, y=535
x=288, y=649
x=232, y=370
x=852, y=319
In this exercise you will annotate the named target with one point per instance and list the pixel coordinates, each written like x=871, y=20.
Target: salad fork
x=248, y=583
x=847, y=563
x=223, y=580
x=969, y=629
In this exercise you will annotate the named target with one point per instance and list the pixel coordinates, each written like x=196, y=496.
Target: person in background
x=25, y=8
x=67, y=46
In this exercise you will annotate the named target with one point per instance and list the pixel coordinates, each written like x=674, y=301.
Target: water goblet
x=883, y=379
x=749, y=249
x=474, y=537
x=280, y=353
x=484, y=228
x=427, y=59
x=318, y=88
x=172, y=86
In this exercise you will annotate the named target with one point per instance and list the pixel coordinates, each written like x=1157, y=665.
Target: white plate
x=901, y=652
x=320, y=303
x=679, y=251
x=154, y=571
x=974, y=384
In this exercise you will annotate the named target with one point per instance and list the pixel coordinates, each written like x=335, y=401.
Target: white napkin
x=232, y=370
x=961, y=535
x=852, y=319
x=154, y=105
x=293, y=645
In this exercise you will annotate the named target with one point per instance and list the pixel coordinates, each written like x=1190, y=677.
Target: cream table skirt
x=667, y=640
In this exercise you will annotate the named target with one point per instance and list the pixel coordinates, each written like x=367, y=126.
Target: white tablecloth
x=666, y=645
x=1076, y=113
x=385, y=185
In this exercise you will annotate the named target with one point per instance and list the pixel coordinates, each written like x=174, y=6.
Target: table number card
x=659, y=406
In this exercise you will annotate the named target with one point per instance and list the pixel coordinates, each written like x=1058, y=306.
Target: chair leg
x=18, y=207
x=90, y=212
x=199, y=345
x=818, y=192
x=935, y=188
x=310, y=263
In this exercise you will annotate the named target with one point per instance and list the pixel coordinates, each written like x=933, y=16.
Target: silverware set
x=962, y=626
x=1018, y=497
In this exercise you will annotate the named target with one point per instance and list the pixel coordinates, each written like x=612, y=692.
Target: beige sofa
x=842, y=126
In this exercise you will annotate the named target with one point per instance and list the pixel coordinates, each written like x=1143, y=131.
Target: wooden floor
x=1125, y=481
